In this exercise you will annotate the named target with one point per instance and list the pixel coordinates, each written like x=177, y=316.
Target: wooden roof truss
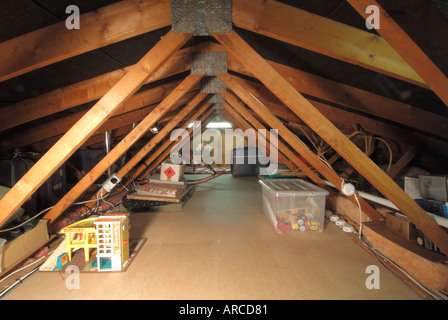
x=246, y=103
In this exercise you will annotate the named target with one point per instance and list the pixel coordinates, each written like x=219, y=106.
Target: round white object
x=348, y=189
x=334, y=218
x=340, y=223
x=348, y=228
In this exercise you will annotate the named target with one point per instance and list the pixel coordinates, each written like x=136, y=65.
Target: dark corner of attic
x=216, y=156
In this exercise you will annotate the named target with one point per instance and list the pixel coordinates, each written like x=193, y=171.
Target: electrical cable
x=360, y=216
x=24, y=267
x=390, y=152
x=18, y=281
x=349, y=190
x=26, y=276
x=49, y=208
x=434, y=294
x=206, y=179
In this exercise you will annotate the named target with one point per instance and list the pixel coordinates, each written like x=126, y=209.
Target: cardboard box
x=434, y=187
x=171, y=172
x=17, y=250
x=412, y=187
x=425, y=242
x=400, y=226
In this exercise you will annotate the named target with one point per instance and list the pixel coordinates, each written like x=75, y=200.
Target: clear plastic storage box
x=294, y=205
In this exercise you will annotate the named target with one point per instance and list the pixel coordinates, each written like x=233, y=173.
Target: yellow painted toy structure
x=109, y=234
x=81, y=234
x=113, y=241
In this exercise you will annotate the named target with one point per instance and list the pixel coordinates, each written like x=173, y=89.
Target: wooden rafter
x=301, y=149
x=165, y=132
x=405, y=138
x=337, y=140
x=403, y=43
x=122, y=147
x=100, y=28
x=167, y=143
x=356, y=99
x=162, y=153
x=89, y=123
x=139, y=155
x=321, y=88
x=133, y=110
x=236, y=118
x=91, y=89
x=322, y=35
x=403, y=161
x=246, y=115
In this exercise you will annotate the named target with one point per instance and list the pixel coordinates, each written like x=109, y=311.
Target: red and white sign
x=171, y=172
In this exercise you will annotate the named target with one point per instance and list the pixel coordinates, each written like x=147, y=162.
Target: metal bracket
x=209, y=63
x=215, y=98
x=201, y=17
x=212, y=85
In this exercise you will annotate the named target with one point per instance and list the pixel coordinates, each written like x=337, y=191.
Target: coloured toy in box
x=294, y=204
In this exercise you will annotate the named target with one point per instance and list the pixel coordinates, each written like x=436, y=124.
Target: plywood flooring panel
x=222, y=246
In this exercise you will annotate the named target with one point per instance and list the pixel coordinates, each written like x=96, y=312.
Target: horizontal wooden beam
x=135, y=109
x=337, y=140
x=91, y=89
x=357, y=99
x=99, y=28
x=322, y=35
x=403, y=43
x=89, y=123
x=151, y=144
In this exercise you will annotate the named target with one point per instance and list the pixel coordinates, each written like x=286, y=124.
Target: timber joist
x=282, y=92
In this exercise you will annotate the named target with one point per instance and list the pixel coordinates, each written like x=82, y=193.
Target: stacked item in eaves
x=433, y=199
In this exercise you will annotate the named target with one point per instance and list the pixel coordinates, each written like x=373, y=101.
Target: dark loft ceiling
x=24, y=16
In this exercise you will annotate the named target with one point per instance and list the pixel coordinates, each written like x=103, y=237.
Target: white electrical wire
x=349, y=190
x=360, y=216
x=19, y=281
x=76, y=203
x=24, y=267
x=434, y=294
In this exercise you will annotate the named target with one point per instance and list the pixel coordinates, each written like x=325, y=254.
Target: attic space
x=224, y=150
